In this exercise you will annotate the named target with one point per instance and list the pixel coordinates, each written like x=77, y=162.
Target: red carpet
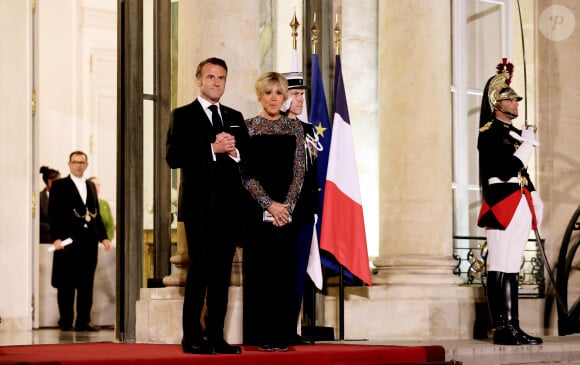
x=149, y=354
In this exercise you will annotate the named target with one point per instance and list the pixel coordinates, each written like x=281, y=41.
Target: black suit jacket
x=207, y=187
x=78, y=260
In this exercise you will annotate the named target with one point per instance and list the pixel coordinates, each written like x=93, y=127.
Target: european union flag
x=321, y=123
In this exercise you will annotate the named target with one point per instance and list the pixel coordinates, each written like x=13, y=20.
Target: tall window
x=482, y=35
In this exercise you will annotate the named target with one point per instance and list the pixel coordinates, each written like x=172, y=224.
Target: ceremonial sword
x=559, y=298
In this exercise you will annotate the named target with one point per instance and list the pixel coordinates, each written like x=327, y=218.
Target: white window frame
x=460, y=92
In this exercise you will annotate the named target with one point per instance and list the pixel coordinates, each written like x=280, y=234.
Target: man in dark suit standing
x=74, y=214
x=205, y=140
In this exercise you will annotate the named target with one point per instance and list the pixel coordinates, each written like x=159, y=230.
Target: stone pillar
x=415, y=155
x=415, y=294
x=224, y=29
x=359, y=24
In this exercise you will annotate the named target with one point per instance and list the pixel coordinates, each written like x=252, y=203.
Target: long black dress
x=274, y=171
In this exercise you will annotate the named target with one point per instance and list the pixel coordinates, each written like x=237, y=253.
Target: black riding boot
x=511, y=285
x=500, y=304
x=495, y=300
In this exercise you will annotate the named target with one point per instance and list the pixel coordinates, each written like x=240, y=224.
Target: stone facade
x=415, y=294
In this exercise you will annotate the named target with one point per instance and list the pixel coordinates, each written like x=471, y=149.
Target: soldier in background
x=307, y=205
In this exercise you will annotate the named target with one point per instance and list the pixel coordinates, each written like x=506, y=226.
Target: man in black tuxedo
x=73, y=213
x=205, y=140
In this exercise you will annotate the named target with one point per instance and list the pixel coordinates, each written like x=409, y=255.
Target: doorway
x=75, y=73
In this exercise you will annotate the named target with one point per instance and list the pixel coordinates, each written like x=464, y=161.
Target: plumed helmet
x=499, y=85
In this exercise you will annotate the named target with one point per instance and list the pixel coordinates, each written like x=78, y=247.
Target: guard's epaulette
x=486, y=126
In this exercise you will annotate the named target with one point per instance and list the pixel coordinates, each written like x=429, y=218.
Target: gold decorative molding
x=337, y=37
x=294, y=24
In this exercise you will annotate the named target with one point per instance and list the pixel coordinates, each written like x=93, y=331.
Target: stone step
x=555, y=350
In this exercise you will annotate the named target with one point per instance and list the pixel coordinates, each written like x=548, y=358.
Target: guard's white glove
x=286, y=105
x=528, y=135
x=528, y=138
x=524, y=153
x=538, y=207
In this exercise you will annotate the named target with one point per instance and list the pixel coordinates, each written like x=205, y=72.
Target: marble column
x=359, y=42
x=416, y=145
x=224, y=29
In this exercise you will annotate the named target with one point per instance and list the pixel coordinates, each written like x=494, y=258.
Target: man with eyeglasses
x=77, y=228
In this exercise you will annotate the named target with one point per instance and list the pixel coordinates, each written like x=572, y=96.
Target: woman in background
x=105, y=209
x=47, y=309
x=48, y=176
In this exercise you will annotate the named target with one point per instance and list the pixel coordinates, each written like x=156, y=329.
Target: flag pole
x=337, y=40
x=320, y=120
x=314, y=39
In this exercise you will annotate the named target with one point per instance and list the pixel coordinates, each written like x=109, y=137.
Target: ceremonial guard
x=511, y=207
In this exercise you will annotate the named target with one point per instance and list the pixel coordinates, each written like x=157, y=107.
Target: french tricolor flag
x=343, y=228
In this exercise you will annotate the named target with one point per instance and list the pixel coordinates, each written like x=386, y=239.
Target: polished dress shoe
x=200, y=347
x=529, y=339
x=66, y=328
x=266, y=348
x=222, y=347
x=87, y=328
x=507, y=335
x=299, y=340
x=511, y=334
x=271, y=348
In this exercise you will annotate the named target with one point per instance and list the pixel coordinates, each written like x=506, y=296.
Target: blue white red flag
x=343, y=229
x=321, y=122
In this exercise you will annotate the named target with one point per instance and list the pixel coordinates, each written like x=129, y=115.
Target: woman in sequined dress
x=273, y=175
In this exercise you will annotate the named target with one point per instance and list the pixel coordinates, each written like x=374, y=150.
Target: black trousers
x=84, y=301
x=76, y=266
x=211, y=251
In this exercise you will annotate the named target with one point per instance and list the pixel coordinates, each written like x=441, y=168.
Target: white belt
x=497, y=180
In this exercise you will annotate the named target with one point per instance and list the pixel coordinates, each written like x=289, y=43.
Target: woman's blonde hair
x=268, y=80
